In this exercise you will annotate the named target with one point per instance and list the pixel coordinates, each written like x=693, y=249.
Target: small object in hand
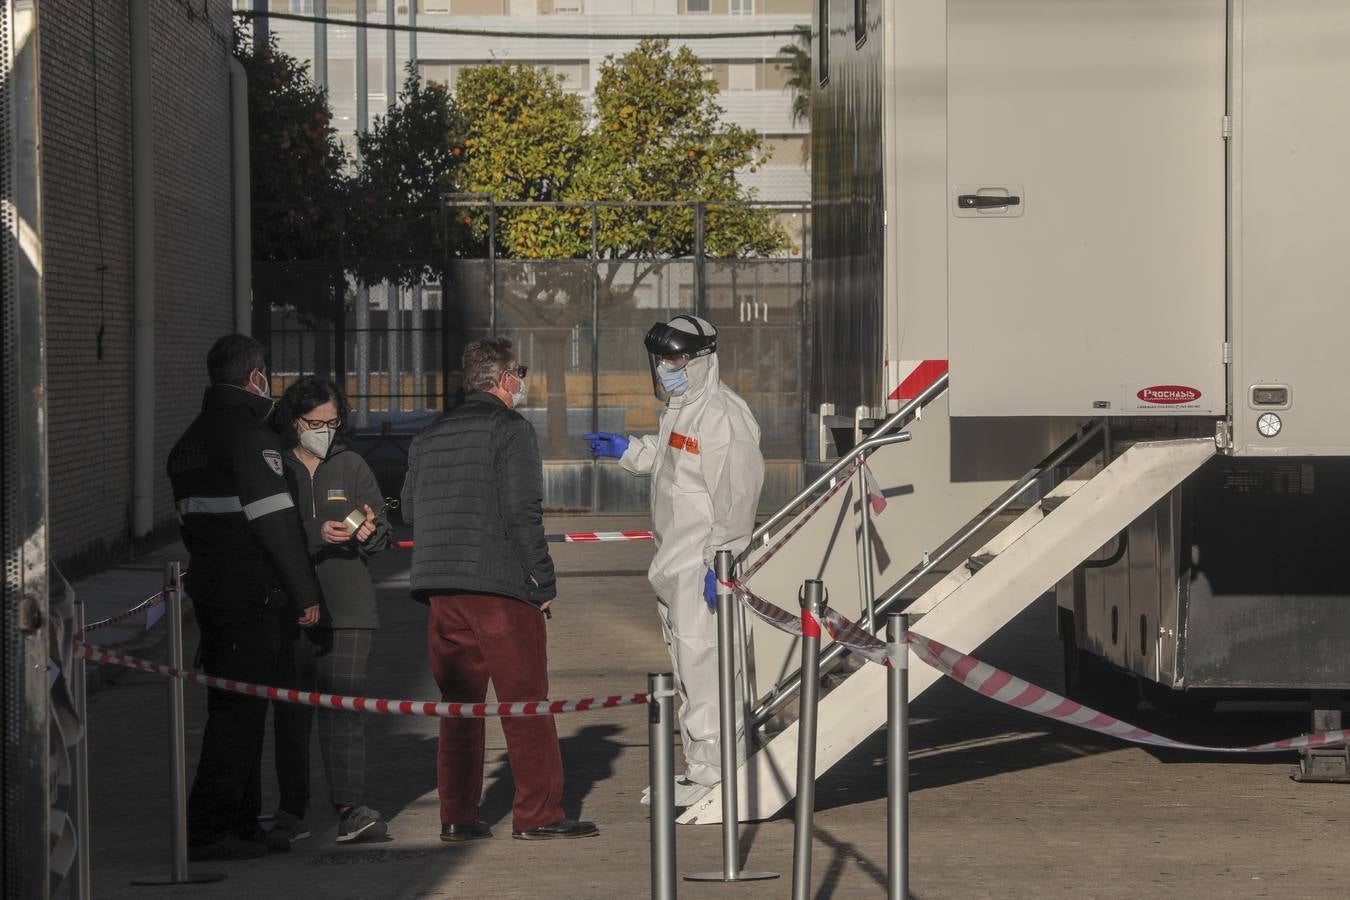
x=355, y=519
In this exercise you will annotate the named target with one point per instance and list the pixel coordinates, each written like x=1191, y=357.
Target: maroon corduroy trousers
x=473, y=639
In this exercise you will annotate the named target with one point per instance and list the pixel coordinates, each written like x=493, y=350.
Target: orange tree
x=656, y=135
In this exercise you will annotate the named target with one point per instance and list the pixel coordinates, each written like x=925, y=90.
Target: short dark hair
x=303, y=397
x=484, y=362
x=233, y=357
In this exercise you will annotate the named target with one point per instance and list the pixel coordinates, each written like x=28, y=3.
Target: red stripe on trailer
x=581, y=537
x=637, y=535
x=921, y=375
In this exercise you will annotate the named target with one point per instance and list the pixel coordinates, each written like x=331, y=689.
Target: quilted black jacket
x=474, y=496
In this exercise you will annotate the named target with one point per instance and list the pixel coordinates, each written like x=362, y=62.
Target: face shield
x=670, y=346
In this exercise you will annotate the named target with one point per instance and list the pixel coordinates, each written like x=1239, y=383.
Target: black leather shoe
x=567, y=828
x=457, y=834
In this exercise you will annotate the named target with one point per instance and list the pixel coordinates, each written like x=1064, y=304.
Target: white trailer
x=1038, y=221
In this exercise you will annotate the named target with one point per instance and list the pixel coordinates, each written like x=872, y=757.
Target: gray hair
x=484, y=362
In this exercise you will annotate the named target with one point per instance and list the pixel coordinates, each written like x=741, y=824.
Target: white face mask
x=518, y=398
x=673, y=379
x=317, y=441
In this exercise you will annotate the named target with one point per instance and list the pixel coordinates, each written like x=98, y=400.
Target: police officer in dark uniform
x=251, y=583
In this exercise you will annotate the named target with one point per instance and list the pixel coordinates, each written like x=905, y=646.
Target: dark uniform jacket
x=342, y=483
x=474, y=496
x=245, y=542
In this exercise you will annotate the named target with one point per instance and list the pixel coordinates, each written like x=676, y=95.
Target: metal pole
x=78, y=693
x=595, y=350
x=178, y=861
x=260, y=24
x=492, y=267
x=321, y=44
x=241, y=195
x=700, y=301
x=390, y=56
x=177, y=754
x=144, y=376
x=661, y=777
x=897, y=759
x=362, y=69
x=727, y=719
x=869, y=594
x=812, y=601
x=412, y=35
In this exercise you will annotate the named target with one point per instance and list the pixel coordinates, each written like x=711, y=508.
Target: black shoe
x=272, y=842
x=457, y=834
x=567, y=828
x=231, y=846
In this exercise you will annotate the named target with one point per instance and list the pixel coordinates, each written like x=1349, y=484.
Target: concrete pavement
x=1003, y=804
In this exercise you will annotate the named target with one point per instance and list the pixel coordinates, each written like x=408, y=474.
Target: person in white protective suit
x=706, y=471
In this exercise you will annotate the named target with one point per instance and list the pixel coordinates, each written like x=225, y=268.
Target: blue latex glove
x=605, y=443
x=710, y=590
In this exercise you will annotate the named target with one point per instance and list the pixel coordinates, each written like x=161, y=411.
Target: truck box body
x=1112, y=208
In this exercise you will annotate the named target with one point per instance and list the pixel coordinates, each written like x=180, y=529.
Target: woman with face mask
x=329, y=482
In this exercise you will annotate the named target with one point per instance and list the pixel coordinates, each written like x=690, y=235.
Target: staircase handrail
x=787, y=688
x=878, y=438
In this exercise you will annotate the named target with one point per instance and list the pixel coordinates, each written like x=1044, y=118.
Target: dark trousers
x=330, y=661
x=226, y=794
x=473, y=639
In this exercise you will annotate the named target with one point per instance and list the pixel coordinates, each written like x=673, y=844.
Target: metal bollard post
x=178, y=861
x=727, y=709
x=897, y=760
x=661, y=777
x=813, y=604
x=79, y=694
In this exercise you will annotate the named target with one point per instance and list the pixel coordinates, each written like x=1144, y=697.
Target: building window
x=697, y=6
x=859, y=22
x=742, y=7
x=741, y=76
x=823, y=40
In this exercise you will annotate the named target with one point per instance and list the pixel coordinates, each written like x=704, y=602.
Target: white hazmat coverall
x=706, y=472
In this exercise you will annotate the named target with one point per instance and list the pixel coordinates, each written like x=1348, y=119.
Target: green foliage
x=799, y=79
x=525, y=135
x=298, y=188
x=409, y=160
x=658, y=136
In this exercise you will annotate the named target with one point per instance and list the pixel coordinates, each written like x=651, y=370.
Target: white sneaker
x=687, y=792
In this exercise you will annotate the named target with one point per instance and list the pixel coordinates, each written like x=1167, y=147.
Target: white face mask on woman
x=317, y=441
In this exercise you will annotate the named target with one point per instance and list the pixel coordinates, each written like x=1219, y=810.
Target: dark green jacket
x=342, y=483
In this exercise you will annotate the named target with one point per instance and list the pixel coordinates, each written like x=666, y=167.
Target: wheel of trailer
x=1090, y=680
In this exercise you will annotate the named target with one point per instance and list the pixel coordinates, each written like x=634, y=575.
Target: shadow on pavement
x=588, y=759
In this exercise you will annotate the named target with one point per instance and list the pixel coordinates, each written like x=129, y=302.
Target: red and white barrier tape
x=575, y=537
x=1013, y=691
x=367, y=704
x=1006, y=688
x=143, y=606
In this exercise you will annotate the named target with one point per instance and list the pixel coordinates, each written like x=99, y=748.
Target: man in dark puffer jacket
x=474, y=496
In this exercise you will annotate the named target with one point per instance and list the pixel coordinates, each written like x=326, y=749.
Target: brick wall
x=87, y=221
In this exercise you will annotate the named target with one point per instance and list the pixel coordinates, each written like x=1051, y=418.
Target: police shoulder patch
x=273, y=460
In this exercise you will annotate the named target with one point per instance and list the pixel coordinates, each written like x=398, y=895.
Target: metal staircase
x=966, y=606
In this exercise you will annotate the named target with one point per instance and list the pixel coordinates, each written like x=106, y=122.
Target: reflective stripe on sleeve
x=275, y=503
x=210, y=506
